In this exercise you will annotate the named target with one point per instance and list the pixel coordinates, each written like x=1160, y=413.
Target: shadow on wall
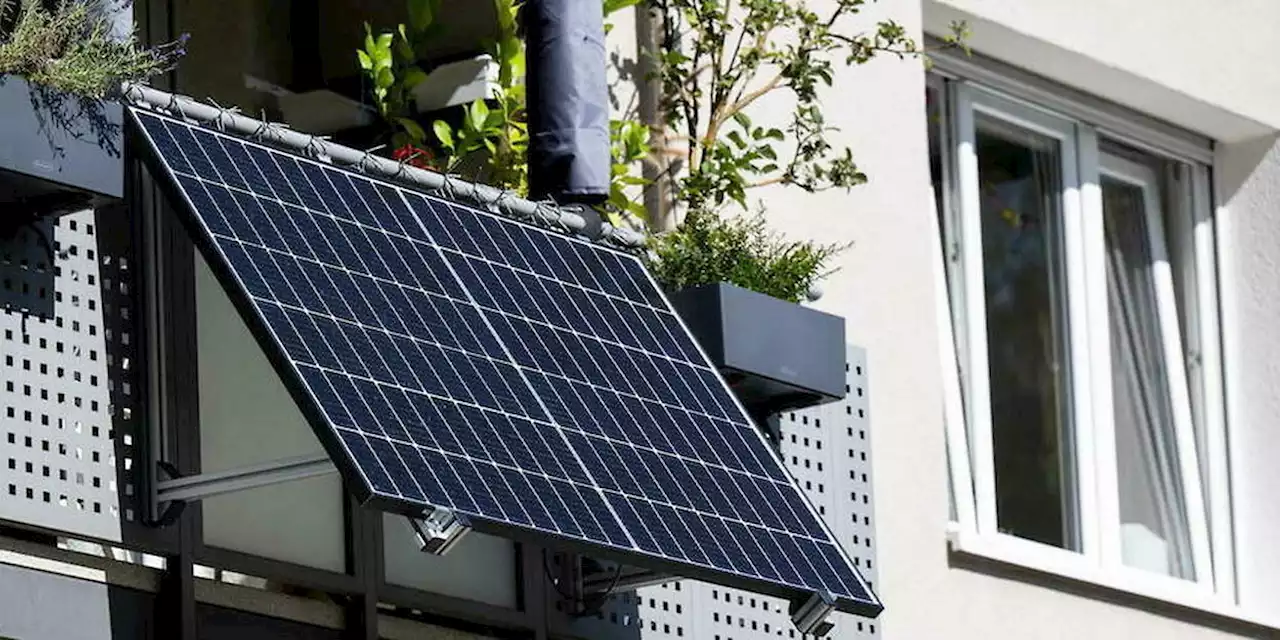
x=1238, y=162
x=1107, y=596
x=40, y=605
x=27, y=257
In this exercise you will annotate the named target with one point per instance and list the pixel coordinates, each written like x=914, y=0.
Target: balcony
x=160, y=433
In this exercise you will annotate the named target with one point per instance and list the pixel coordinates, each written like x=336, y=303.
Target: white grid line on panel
x=828, y=451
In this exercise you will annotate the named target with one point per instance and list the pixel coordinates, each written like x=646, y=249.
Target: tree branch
x=778, y=179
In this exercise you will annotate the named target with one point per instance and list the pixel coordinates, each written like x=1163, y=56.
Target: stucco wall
x=885, y=289
x=1197, y=64
x=1248, y=191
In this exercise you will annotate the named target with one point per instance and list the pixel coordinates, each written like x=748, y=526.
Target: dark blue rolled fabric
x=569, y=155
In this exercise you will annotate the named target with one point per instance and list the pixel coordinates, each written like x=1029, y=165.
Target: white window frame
x=1092, y=425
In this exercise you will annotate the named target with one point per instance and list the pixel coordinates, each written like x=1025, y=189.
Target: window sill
x=1189, y=598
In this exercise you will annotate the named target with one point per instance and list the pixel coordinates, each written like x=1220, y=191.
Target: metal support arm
x=204, y=485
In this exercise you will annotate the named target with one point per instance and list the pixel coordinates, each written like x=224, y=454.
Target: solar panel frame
x=754, y=553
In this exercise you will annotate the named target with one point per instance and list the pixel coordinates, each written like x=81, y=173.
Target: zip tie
x=274, y=129
x=258, y=131
x=363, y=164
x=446, y=187
x=176, y=110
x=315, y=147
x=222, y=112
x=502, y=196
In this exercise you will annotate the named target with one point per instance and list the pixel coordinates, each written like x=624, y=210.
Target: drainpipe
x=569, y=154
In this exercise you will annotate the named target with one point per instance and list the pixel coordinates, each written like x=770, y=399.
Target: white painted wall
x=1248, y=191
x=1143, y=57
x=1197, y=64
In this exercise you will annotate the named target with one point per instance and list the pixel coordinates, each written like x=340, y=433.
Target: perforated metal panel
x=828, y=450
x=68, y=390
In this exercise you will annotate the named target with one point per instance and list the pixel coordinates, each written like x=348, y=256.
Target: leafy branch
x=720, y=57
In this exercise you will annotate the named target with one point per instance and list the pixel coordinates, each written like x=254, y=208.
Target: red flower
x=414, y=156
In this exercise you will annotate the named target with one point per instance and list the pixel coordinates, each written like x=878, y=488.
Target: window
x=1084, y=411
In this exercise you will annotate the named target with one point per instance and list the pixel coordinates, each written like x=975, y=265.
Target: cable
x=604, y=595
x=597, y=606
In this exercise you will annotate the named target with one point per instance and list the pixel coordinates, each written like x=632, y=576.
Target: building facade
x=1057, y=299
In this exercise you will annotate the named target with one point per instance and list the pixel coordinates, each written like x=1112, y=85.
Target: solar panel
x=533, y=382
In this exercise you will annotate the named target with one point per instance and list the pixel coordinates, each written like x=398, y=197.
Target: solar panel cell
x=532, y=381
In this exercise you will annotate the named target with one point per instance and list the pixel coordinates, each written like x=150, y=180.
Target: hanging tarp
x=568, y=101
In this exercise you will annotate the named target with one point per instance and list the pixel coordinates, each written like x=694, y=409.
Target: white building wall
x=1196, y=64
x=1248, y=192
x=1183, y=62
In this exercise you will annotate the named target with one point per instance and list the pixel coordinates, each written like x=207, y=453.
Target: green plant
x=709, y=248
x=490, y=142
x=720, y=57
x=72, y=49
x=716, y=61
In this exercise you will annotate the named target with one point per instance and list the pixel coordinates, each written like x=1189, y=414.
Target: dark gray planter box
x=776, y=355
x=58, y=152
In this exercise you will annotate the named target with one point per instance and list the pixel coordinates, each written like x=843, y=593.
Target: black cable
x=594, y=608
x=546, y=569
x=604, y=595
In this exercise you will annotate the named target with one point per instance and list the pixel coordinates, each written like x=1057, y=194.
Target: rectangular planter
x=58, y=152
x=776, y=355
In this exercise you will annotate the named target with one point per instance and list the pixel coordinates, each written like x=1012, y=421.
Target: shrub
x=741, y=250
x=72, y=49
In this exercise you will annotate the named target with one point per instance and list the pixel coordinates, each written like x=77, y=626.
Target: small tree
x=716, y=60
x=719, y=57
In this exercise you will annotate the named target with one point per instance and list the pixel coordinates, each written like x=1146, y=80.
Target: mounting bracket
x=624, y=578
x=812, y=617
x=439, y=530
x=172, y=494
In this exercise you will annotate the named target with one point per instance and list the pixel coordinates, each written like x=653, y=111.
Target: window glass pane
x=935, y=108
x=1153, y=524
x=1020, y=185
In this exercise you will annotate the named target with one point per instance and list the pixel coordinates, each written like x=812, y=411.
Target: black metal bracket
x=168, y=511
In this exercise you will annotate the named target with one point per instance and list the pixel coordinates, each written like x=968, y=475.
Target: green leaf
x=404, y=46
x=494, y=120
x=444, y=133
x=413, y=129
x=742, y=119
x=477, y=113
x=384, y=40
x=365, y=63
x=736, y=139
x=385, y=78
x=768, y=152
x=421, y=14
x=413, y=76
x=775, y=134
x=611, y=6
